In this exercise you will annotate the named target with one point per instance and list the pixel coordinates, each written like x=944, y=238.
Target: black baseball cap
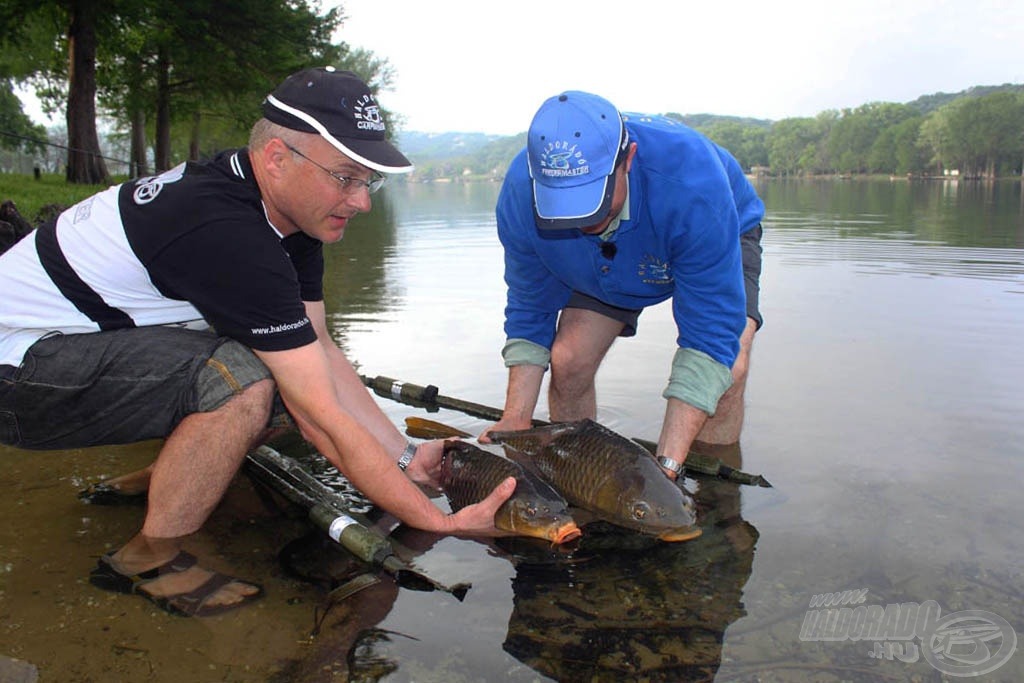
x=338, y=106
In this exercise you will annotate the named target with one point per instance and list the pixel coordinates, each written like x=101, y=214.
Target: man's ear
x=274, y=156
x=629, y=155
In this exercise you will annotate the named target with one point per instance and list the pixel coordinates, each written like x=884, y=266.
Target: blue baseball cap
x=573, y=147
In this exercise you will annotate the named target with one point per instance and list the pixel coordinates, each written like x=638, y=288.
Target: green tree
x=900, y=148
x=997, y=124
x=980, y=136
x=792, y=145
x=186, y=61
x=746, y=142
x=59, y=38
x=853, y=141
x=17, y=132
x=162, y=66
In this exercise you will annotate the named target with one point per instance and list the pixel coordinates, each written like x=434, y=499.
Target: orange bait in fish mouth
x=677, y=535
x=569, y=532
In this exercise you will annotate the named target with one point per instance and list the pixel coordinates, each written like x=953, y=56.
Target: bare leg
x=191, y=473
x=137, y=482
x=582, y=340
x=727, y=423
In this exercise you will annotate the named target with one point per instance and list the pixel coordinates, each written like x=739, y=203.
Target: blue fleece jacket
x=688, y=203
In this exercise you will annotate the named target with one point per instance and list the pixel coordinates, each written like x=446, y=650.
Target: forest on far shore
x=978, y=133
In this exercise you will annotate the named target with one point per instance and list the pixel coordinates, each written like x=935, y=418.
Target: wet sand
x=54, y=620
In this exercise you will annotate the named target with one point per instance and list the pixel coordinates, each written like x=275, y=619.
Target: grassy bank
x=30, y=195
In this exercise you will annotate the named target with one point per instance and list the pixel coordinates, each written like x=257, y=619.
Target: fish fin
x=544, y=434
x=422, y=428
x=524, y=460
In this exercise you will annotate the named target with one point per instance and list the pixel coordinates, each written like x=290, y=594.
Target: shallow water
x=884, y=406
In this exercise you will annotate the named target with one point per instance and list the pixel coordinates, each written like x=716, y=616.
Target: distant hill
x=428, y=146
x=481, y=154
x=704, y=120
x=926, y=104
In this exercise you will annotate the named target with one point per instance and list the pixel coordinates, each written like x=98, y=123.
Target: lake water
x=884, y=405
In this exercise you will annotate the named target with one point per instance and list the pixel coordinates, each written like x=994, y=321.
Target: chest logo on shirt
x=147, y=189
x=653, y=271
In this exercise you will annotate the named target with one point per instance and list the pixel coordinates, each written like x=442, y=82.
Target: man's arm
x=533, y=299
x=682, y=424
x=683, y=421
x=524, y=383
x=351, y=392
x=355, y=399
x=336, y=413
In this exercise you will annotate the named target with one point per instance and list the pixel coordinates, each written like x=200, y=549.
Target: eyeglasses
x=348, y=185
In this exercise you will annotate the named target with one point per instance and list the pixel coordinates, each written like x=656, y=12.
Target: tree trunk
x=163, y=111
x=85, y=165
x=193, y=142
x=140, y=165
x=137, y=118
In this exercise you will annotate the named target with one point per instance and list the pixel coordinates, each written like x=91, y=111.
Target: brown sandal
x=190, y=604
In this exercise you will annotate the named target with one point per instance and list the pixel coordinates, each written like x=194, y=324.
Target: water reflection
x=884, y=405
x=655, y=614
x=934, y=229
x=959, y=214
x=618, y=607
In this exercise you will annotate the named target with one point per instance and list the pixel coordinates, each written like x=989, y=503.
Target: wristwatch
x=670, y=464
x=407, y=455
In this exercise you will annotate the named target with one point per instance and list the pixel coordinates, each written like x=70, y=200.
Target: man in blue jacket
x=602, y=215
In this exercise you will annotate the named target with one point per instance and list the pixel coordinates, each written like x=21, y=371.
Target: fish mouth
x=566, y=533
x=677, y=535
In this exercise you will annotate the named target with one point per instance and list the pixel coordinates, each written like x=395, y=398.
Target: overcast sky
x=486, y=65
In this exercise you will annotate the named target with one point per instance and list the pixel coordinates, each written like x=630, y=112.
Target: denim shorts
x=121, y=386
x=750, y=246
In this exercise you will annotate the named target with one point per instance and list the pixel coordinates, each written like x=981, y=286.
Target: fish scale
x=470, y=473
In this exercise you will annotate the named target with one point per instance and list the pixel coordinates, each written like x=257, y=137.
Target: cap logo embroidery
x=367, y=114
x=563, y=160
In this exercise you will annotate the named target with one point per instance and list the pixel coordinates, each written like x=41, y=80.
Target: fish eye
x=531, y=511
x=641, y=510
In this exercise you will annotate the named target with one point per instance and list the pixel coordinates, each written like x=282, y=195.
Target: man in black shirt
x=106, y=333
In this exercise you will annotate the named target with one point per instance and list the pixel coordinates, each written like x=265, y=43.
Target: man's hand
x=472, y=520
x=504, y=425
x=478, y=519
x=425, y=468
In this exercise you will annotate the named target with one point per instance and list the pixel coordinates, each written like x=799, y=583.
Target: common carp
x=469, y=473
x=606, y=474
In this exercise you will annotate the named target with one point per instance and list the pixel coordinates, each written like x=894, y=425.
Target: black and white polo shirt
x=190, y=247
